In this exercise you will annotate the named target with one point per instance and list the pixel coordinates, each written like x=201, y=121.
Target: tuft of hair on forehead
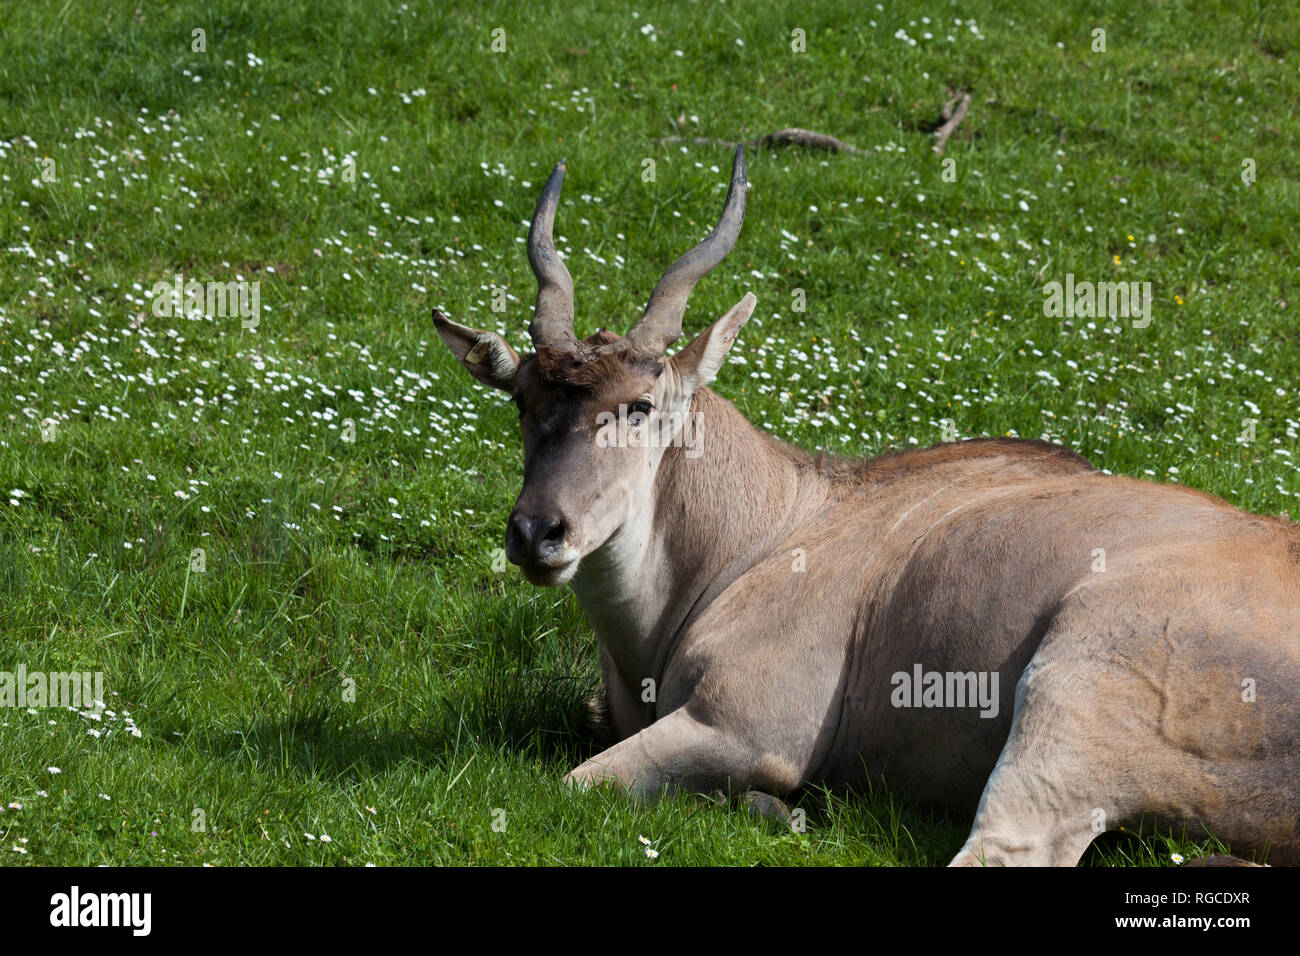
x=594, y=366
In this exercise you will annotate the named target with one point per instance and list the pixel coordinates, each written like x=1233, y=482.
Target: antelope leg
x=1049, y=796
x=675, y=752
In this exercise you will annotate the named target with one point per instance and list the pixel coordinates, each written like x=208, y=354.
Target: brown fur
x=594, y=367
x=898, y=465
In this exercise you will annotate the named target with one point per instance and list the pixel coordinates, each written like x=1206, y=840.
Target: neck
x=712, y=517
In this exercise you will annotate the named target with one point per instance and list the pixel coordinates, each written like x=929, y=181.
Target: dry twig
x=951, y=119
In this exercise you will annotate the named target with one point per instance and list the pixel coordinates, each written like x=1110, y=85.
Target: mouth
x=549, y=575
x=554, y=566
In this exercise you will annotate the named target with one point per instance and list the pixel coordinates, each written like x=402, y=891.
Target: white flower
x=653, y=854
x=1176, y=857
x=53, y=770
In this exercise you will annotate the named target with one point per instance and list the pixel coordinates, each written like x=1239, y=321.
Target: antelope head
x=597, y=415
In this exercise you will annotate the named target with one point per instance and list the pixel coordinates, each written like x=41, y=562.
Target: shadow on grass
x=543, y=718
x=1149, y=845
x=534, y=713
x=898, y=831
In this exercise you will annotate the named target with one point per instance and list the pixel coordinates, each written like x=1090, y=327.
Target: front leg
x=679, y=752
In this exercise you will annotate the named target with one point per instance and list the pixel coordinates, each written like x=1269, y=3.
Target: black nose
x=534, y=538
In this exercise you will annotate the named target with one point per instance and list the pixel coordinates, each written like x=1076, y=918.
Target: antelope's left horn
x=661, y=325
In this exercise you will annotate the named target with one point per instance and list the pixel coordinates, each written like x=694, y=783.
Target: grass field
x=239, y=526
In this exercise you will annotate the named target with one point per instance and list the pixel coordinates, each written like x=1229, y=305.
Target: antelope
x=769, y=619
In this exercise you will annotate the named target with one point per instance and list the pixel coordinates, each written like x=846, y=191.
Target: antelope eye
x=638, y=413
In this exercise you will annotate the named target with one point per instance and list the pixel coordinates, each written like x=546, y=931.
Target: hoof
x=764, y=805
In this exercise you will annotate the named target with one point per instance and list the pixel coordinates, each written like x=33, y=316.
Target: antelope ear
x=698, y=363
x=487, y=355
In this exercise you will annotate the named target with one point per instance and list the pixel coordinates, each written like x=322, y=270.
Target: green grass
x=372, y=560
